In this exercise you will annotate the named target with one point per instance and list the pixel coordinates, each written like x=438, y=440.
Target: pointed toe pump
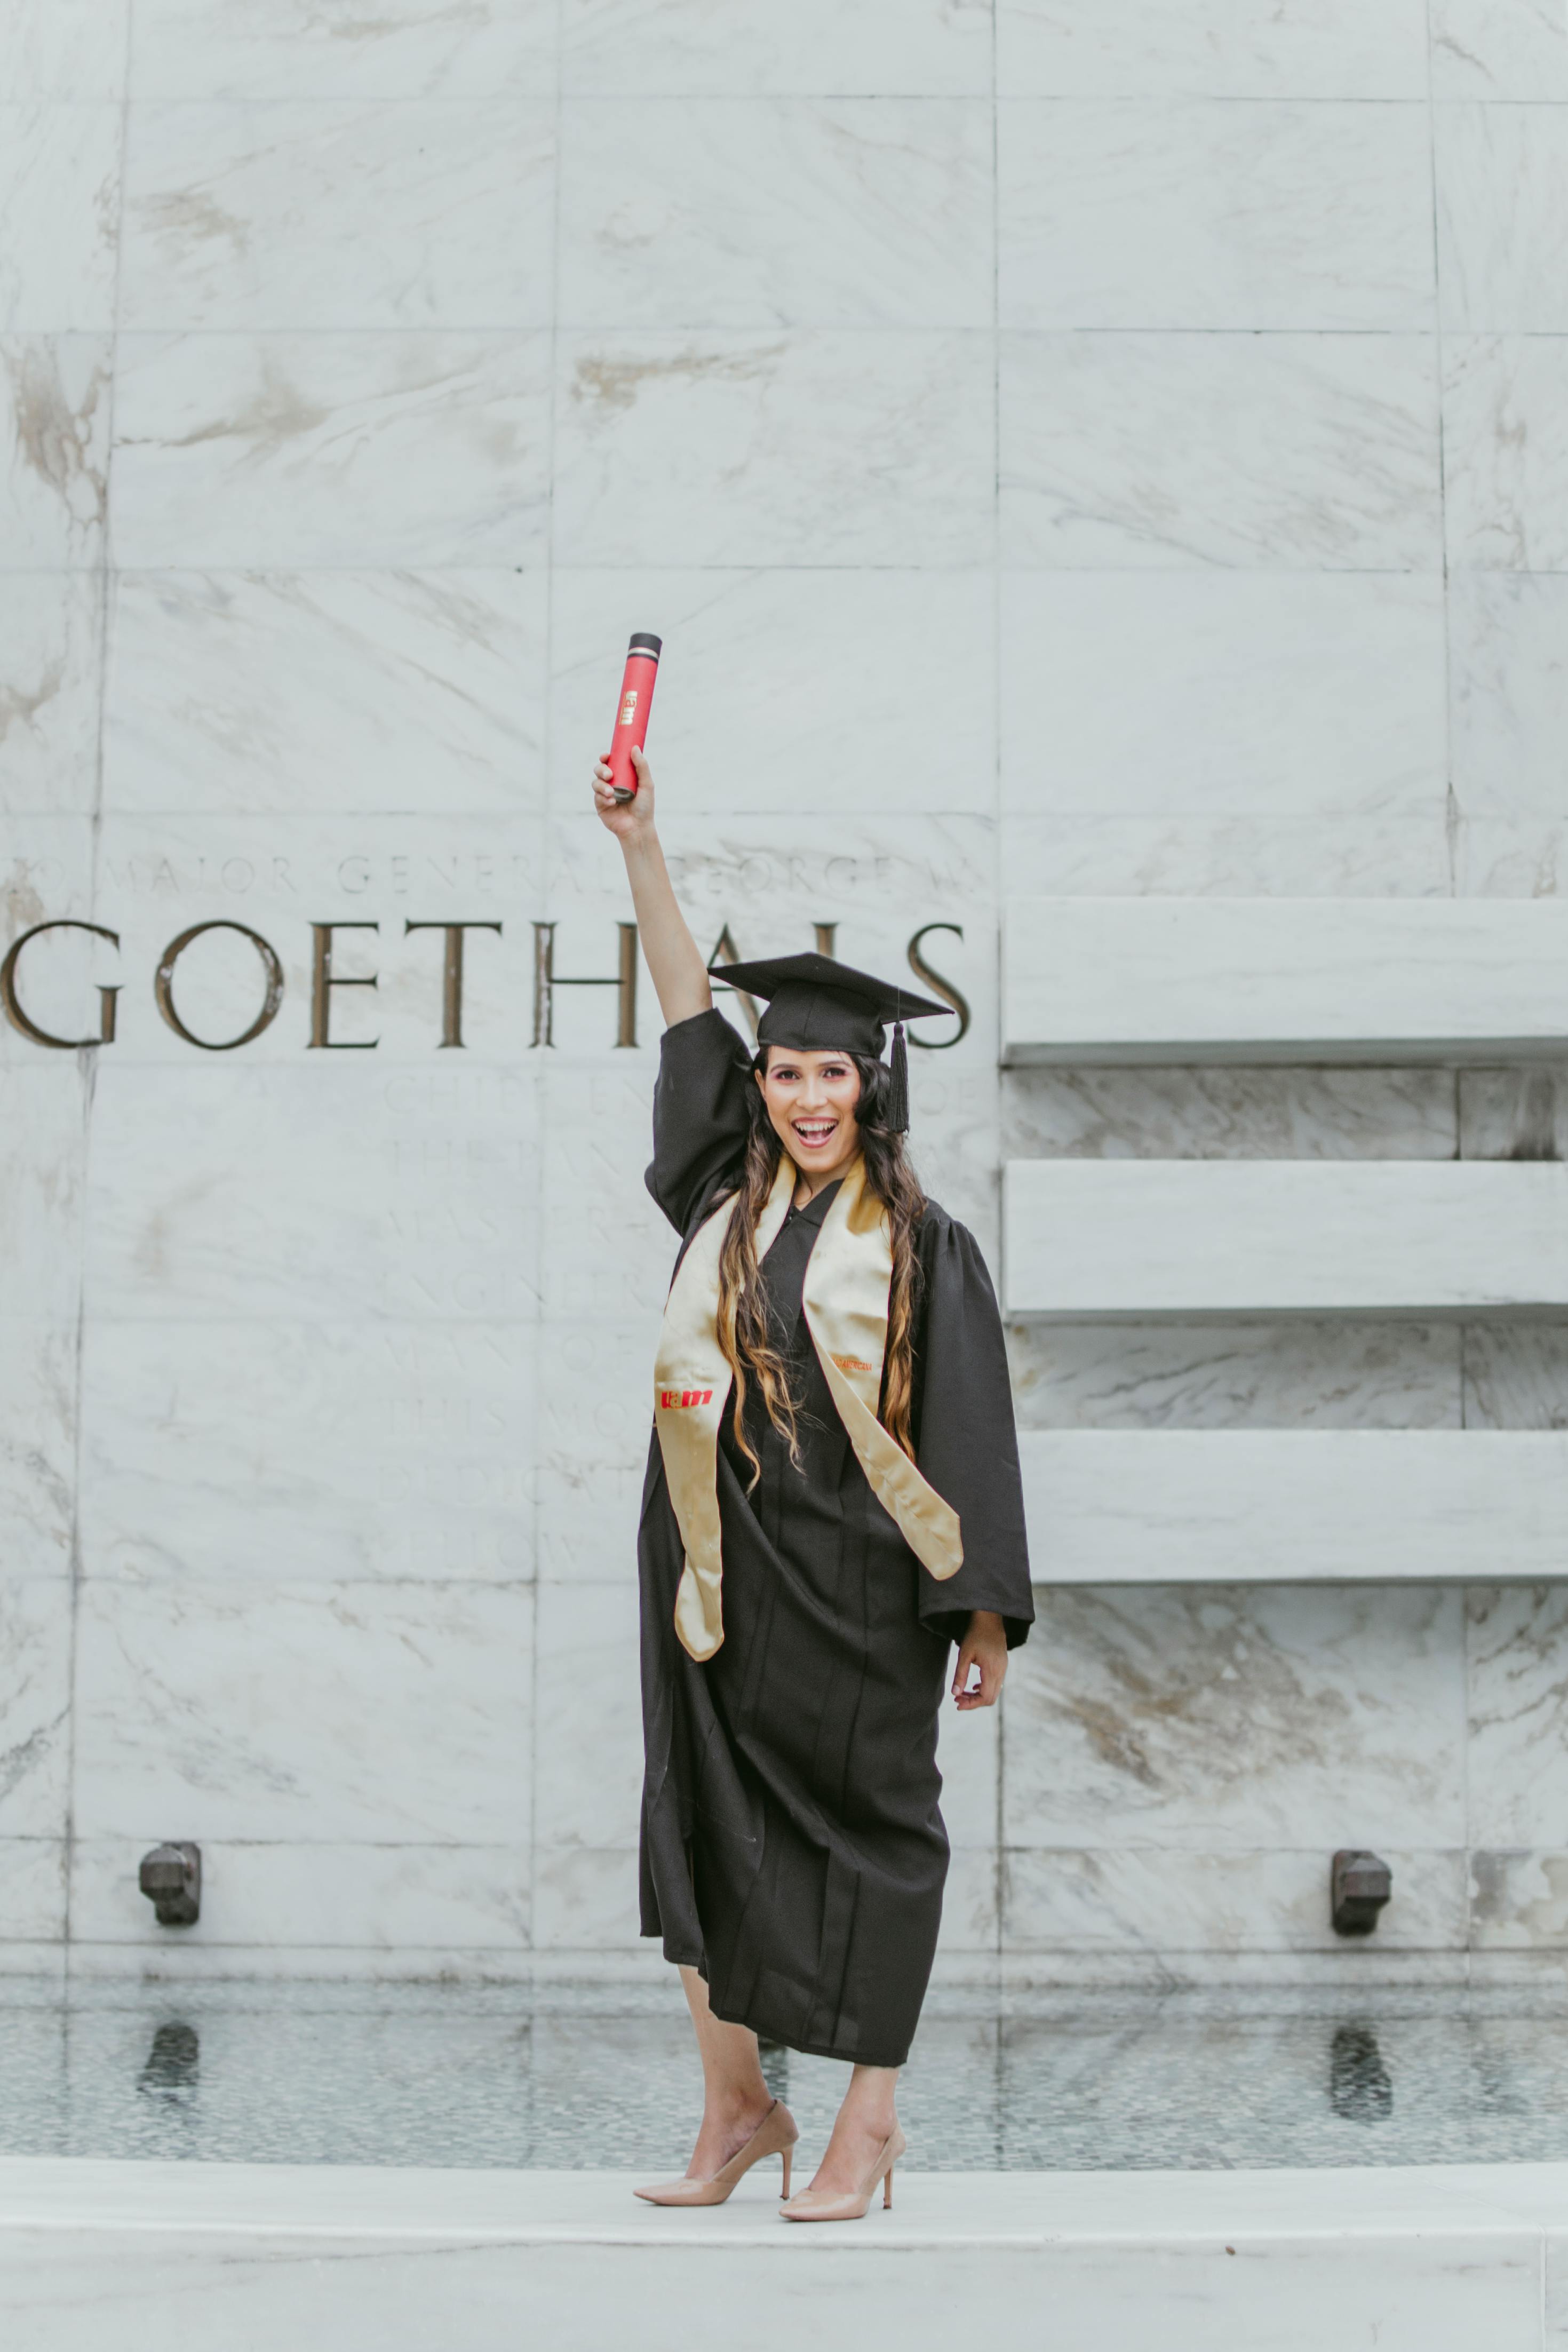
x=851, y=2205
x=775, y=2135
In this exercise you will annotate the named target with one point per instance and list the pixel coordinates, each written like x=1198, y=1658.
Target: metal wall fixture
x=1359, y=1886
x=171, y=1878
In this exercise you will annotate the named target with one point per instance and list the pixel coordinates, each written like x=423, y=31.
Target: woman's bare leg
x=735, y=2095
x=863, y=2123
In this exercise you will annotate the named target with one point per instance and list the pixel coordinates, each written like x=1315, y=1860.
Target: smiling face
x=811, y=1100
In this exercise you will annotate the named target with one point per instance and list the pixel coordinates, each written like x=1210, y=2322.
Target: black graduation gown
x=792, y=1845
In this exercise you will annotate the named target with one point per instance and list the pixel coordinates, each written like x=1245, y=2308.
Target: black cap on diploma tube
x=642, y=643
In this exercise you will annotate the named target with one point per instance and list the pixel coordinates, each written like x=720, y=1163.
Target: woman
x=832, y=1498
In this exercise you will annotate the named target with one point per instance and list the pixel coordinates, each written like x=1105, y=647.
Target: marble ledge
x=1312, y=980
x=1009, y=2208
x=1026, y=1979
x=1296, y=1506
x=1445, y=2257
x=631, y=1976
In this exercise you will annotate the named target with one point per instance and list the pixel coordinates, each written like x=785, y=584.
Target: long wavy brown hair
x=749, y=1344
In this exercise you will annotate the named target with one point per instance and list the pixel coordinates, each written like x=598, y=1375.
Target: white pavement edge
x=268, y=2258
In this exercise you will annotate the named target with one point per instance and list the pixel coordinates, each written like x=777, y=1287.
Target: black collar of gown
x=816, y=1210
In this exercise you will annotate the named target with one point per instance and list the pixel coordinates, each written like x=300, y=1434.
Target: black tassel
x=898, y=1093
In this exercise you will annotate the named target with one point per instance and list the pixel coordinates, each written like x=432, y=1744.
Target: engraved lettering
x=725, y=951
x=163, y=987
x=12, y=1002
x=324, y=979
x=932, y=980
x=547, y=980
x=452, y=974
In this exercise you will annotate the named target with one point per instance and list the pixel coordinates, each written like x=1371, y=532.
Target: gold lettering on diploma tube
x=163, y=986
x=452, y=974
x=12, y=1004
x=547, y=980
x=323, y=979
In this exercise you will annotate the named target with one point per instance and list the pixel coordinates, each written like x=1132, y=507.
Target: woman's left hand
x=984, y=1645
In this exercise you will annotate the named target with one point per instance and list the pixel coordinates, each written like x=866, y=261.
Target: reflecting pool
x=355, y=2074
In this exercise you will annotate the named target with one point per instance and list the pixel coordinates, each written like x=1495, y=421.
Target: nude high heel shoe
x=775, y=2135
x=851, y=2207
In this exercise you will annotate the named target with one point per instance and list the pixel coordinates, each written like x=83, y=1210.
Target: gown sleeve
x=966, y=1444
x=699, y=1114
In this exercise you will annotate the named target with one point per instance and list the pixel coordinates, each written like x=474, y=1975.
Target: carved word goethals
x=324, y=980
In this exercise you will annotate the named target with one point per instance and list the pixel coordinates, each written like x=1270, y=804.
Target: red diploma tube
x=631, y=711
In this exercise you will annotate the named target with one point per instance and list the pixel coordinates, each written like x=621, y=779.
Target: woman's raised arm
x=679, y=974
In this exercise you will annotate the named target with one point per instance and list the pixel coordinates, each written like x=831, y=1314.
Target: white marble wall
x=1059, y=457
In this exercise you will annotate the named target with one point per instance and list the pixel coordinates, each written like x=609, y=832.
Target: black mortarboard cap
x=819, y=1006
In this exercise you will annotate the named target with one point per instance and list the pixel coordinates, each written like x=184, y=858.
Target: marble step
x=1287, y=1506
x=1092, y=1239
x=1278, y=980
x=276, y=2257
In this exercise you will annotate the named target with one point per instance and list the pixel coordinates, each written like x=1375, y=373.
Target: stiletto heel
x=853, y=2206
x=775, y=2135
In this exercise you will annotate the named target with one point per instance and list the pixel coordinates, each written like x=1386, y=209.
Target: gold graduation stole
x=845, y=1304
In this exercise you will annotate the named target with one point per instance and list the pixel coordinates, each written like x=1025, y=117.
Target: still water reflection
x=309, y=2073
x=1360, y=2086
